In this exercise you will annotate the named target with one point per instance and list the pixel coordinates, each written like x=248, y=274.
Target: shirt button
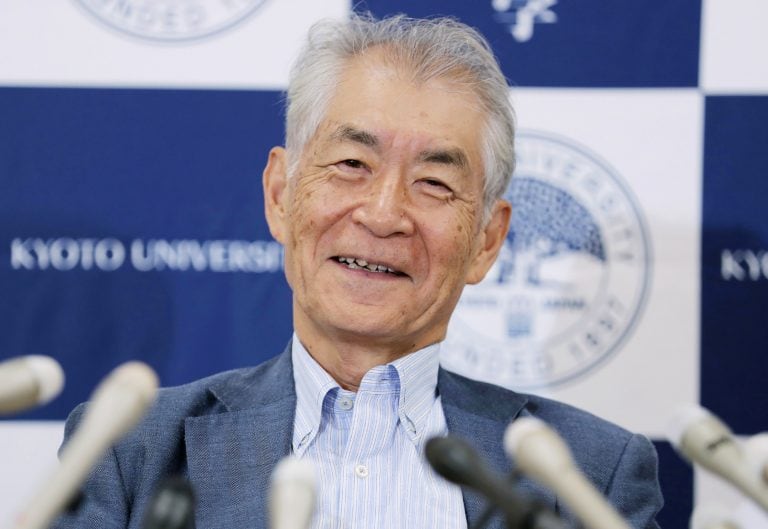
x=345, y=403
x=361, y=471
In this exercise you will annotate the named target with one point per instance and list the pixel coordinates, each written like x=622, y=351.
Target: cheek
x=306, y=207
x=314, y=212
x=464, y=230
x=450, y=247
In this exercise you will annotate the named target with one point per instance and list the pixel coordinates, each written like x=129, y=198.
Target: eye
x=437, y=185
x=353, y=164
x=350, y=168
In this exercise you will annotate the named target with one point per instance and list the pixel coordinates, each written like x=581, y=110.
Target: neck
x=348, y=357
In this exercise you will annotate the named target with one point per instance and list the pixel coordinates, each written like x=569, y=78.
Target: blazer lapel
x=479, y=413
x=231, y=454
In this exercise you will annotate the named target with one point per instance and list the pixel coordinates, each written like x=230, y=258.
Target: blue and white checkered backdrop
x=132, y=138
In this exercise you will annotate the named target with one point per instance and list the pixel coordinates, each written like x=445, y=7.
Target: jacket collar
x=233, y=448
x=479, y=413
x=254, y=387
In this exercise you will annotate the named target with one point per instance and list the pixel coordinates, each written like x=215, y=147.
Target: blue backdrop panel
x=593, y=43
x=110, y=169
x=734, y=293
x=676, y=479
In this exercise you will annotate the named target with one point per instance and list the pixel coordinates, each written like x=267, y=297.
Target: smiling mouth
x=355, y=263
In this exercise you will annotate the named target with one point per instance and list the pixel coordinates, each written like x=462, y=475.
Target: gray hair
x=427, y=49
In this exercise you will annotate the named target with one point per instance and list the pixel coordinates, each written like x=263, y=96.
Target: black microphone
x=491, y=509
x=172, y=506
x=457, y=461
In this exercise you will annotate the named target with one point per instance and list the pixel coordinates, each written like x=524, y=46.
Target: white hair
x=440, y=48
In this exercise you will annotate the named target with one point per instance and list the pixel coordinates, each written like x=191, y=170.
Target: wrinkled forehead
x=376, y=104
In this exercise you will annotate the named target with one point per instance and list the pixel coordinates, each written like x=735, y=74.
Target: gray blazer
x=227, y=432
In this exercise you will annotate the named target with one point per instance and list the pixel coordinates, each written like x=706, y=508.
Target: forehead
x=373, y=96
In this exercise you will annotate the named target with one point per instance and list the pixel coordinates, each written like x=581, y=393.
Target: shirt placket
x=373, y=423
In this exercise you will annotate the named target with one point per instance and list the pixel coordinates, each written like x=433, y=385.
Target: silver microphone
x=756, y=448
x=29, y=381
x=292, y=494
x=706, y=440
x=117, y=404
x=543, y=455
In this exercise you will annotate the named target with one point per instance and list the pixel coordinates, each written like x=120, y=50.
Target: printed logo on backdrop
x=521, y=16
x=744, y=265
x=571, y=280
x=108, y=254
x=171, y=20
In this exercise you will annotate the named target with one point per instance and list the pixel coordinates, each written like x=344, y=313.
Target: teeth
x=356, y=264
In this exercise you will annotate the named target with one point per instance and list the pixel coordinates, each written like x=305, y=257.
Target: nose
x=384, y=208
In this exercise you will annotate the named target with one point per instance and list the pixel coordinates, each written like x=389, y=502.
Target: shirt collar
x=312, y=385
x=417, y=374
x=418, y=388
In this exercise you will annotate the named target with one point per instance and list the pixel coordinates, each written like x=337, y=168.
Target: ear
x=275, y=183
x=490, y=240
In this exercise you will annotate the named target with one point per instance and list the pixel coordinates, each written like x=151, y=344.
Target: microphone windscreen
x=172, y=506
x=756, y=449
x=29, y=381
x=684, y=417
x=116, y=406
x=454, y=460
x=543, y=455
x=49, y=374
x=293, y=494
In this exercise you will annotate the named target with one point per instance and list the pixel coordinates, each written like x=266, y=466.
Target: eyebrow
x=348, y=133
x=453, y=157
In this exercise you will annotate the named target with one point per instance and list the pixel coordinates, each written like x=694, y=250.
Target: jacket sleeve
x=103, y=502
x=634, y=487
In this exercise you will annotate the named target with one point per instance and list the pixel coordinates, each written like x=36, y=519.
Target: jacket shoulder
x=598, y=446
x=157, y=441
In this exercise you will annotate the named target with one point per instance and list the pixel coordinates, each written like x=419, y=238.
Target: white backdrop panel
x=734, y=44
x=65, y=45
x=27, y=456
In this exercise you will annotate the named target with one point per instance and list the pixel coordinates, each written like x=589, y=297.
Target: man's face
x=382, y=221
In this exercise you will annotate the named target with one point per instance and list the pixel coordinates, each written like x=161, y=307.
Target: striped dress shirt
x=367, y=447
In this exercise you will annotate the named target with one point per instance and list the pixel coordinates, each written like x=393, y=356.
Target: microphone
x=292, y=494
x=457, y=461
x=172, y=506
x=29, y=381
x=706, y=440
x=756, y=448
x=543, y=455
x=117, y=404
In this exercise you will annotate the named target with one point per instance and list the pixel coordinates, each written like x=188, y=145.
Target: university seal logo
x=521, y=16
x=171, y=20
x=571, y=280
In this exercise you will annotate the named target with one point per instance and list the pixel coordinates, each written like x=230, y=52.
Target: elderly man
x=387, y=200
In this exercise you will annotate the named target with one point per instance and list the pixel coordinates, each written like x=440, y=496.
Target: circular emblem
x=570, y=281
x=171, y=20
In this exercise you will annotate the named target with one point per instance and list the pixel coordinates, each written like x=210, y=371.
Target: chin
x=374, y=330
